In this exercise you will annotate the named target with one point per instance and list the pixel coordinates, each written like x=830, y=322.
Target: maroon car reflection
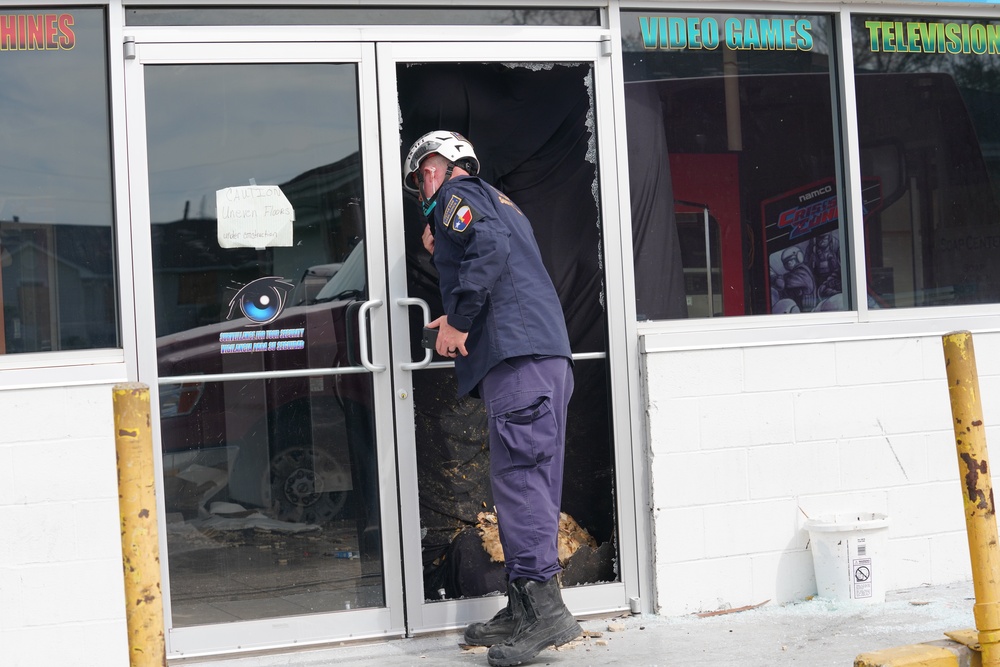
x=266, y=432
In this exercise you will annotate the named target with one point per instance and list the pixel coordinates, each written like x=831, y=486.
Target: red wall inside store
x=713, y=179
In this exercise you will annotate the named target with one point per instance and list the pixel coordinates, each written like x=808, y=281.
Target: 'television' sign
x=738, y=34
x=939, y=37
x=36, y=32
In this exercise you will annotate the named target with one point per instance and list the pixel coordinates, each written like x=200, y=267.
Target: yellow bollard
x=140, y=541
x=977, y=489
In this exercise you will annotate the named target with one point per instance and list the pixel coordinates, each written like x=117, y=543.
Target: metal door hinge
x=606, y=47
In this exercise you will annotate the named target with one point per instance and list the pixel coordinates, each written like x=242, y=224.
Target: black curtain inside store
x=659, y=279
x=532, y=128
x=530, y=131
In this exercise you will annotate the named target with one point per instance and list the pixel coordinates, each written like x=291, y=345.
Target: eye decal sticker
x=261, y=300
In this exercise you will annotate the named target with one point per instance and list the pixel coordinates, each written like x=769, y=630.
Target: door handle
x=363, y=335
x=428, y=354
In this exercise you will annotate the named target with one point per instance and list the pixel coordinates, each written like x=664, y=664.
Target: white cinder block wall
x=745, y=443
x=62, y=598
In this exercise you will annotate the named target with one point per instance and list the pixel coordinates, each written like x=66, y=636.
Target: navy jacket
x=493, y=283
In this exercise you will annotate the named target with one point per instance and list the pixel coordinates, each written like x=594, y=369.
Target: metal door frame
x=423, y=616
x=387, y=283
x=297, y=630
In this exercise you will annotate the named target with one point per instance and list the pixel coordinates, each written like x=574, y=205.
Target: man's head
x=450, y=150
x=433, y=171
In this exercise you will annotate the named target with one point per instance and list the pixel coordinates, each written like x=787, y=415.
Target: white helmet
x=452, y=146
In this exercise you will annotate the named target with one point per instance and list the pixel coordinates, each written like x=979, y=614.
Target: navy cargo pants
x=526, y=401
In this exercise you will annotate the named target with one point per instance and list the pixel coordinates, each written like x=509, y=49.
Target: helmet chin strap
x=428, y=205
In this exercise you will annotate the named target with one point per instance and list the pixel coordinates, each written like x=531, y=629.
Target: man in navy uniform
x=504, y=326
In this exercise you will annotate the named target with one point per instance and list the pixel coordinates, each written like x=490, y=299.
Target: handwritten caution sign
x=254, y=216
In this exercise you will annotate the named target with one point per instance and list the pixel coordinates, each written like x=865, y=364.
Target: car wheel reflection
x=306, y=486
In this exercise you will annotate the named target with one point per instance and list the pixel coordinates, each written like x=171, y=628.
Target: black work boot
x=495, y=630
x=540, y=620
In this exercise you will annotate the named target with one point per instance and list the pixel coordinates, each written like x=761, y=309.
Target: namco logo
x=825, y=190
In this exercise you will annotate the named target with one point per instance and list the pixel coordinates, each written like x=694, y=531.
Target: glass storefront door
x=267, y=340
x=535, y=123
x=319, y=479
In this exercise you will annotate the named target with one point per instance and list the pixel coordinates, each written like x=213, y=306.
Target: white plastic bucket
x=848, y=552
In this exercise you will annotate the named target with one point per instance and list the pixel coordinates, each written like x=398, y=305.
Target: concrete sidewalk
x=814, y=633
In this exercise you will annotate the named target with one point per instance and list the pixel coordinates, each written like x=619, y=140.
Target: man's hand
x=450, y=341
x=428, y=239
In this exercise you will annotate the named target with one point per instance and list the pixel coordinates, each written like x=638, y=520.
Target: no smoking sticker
x=861, y=571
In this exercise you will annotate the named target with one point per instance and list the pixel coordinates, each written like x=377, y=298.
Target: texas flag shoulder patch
x=458, y=215
x=463, y=218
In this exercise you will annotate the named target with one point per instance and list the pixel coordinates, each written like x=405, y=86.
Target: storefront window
x=928, y=95
x=733, y=164
x=367, y=15
x=57, y=278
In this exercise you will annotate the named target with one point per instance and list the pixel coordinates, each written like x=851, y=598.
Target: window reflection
x=698, y=237
x=731, y=118
x=453, y=15
x=57, y=276
x=271, y=498
x=259, y=268
x=928, y=95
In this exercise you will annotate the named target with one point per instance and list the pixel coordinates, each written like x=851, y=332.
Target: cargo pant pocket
x=527, y=432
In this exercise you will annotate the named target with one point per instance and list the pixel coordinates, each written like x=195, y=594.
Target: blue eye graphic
x=261, y=300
